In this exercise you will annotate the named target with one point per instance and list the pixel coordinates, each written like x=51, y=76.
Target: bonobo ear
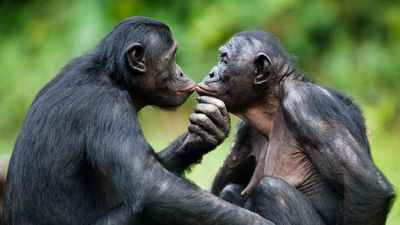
x=135, y=56
x=262, y=63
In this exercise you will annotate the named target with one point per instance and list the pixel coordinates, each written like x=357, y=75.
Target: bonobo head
x=139, y=56
x=250, y=64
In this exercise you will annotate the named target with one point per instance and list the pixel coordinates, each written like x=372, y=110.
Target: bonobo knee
x=271, y=187
x=269, y=191
x=231, y=193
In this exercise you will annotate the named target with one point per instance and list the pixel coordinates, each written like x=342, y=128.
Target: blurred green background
x=350, y=45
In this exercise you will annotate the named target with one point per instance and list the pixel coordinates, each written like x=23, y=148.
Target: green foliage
x=352, y=46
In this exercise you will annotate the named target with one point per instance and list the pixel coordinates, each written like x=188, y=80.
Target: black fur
x=81, y=157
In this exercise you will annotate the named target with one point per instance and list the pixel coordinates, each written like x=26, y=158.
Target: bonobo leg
x=121, y=215
x=277, y=201
x=231, y=193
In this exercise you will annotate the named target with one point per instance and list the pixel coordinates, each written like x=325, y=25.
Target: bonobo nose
x=179, y=71
x=212, y=76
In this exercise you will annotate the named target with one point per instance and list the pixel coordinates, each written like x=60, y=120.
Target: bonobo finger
x=215, y=101
x=206, y=124
x=194, y=138
x=193, y=128
x=214, y=114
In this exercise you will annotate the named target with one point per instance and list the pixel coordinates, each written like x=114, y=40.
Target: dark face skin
x=236, y=78
x=161, y=81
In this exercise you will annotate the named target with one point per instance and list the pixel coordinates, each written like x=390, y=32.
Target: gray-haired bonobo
x=301, y=154
x=81, y=157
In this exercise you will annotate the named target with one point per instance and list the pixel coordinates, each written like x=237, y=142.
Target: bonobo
x=81, y=157
x=301, y=154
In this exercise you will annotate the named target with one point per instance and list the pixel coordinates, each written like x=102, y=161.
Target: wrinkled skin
x=301, y=154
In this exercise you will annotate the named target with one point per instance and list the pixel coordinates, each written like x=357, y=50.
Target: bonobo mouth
x=204, y=89
x=190, y=89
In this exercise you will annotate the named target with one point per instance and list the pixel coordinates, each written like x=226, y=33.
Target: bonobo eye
x=223, y=57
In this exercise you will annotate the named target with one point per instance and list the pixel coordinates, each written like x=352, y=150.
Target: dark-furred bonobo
x=301, y=154
x=81, y=157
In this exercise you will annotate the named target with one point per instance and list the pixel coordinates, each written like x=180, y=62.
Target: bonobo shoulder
x=295, y=96
x=93, y=103
x=307, y=98
x=113, y=102
x=311, y=108
x=308, y=106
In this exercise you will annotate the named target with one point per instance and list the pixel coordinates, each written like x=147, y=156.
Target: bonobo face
x=162, y=81
x=237, y=77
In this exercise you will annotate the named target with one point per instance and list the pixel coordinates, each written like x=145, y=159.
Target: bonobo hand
x=209, y=126
x=210, y=123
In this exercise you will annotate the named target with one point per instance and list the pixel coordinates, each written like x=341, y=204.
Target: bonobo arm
x=335, y=148
x=246, y=147
x=117, y=149
x=121, y=215
x=209, y=127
